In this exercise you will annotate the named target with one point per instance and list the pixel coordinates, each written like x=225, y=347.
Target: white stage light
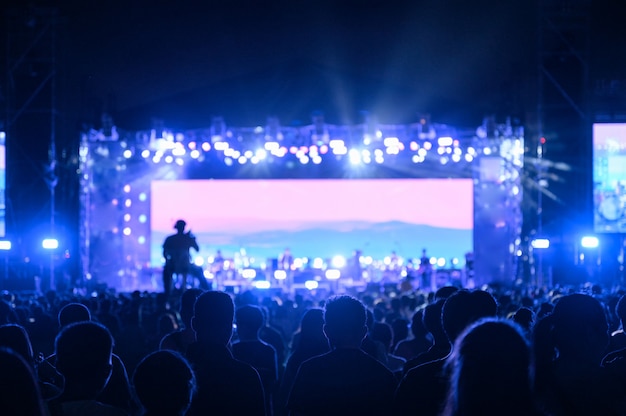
x=141, y=240
x=336, y=143
x=145, y=153
x=456, y=158
x=261, y=154
x=428, y=145
x=280, y=274
x=248, y=273
x=355, y=157
x=311, y=284
x=169, y=159
x=469, y=158
x=128, y=154
x=126, y=231
x=50, y=243
x=126, y=217
x=126, y=188
x=318, y=263
x=422, y=152
x=338, y=262
x=198, y=261
x=261, y=284
x=391, y=142
x=221, y=146
x=206, y=146
x=487, y=151
x=317, y=160
x=242, y=160
x=143, y=218
x=441, y=262
x=195, y=153
x=179, y=161
x=272, y=146
x=332, y=274
x=5, y=245
x=179, y=150
x=540, y=243
x=589, y=242
x=445, y=141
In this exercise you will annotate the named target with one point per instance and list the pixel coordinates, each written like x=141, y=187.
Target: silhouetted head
x=580, y=328
x=187, y=301
x=383, y=333
x=83, y=353
x=445, y=292
x=249, y=321
x=164, y=383
x=432, y=320
x=463, y=308
x=620, y=309
x=400, y=327
x=490, y=370
x=15, y=337
x=20, y=394
x=524, y=317
x=73, y=312
x=345, y=321
x=417, y=325
x=180, y=226
x=213, y=317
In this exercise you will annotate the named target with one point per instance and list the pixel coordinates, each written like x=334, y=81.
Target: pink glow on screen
x=251, y=205
x=318, y=217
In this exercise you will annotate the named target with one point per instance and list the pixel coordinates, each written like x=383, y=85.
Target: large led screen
x=317, y=217
x=609, y=177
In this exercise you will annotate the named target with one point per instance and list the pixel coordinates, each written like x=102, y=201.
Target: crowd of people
x=453, y=351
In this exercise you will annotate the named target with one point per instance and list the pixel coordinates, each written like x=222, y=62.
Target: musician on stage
x=178, y=260
x=425, y=271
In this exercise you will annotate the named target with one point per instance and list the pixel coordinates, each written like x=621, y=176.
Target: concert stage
x=355, y=205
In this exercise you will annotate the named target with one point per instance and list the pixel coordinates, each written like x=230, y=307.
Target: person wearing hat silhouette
x=177, y=258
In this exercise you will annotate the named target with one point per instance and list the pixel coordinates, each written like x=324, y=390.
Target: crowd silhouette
x=515, y=350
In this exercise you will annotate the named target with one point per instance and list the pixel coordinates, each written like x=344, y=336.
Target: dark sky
x=436, y=52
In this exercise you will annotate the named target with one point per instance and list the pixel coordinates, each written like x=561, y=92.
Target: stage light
x=311, y=284
x=414, y=146
x=221, y=146
x=589, y=242
x=195, y=153
x=5, y=244
x=367, y=140
x=198, y=261
x=258, y=130
x=340, y=150
x=180, y=162
x=141, y=240
x=455, y=261
x=380, y=160
x=422, y=153
x=456, y=158
x=338, y=262
x=169, y=159
x=242, y=160
x=206, y=146
x=468, y=157
x=3, y=135
x=143, y=218
x=261, y=284
x=126, y=188
x=391, y=142
x=304, y=160
x=128, y=203
x=297, y=263
x=248, y=273
x=540, y=243
x=336, y=143
x=428, y=145
x=50, y=243
x=355, y=157
x=126, y=231
x=443, y=160
x=254, y=160
x=367, y=160
x=332, y=274
x=280, y=274
x=318, y=263
x=487, y=151
x=293, y=150
x=445, y=141
x=441, y=262
x=127, y=153
x=126, y=217
x=228, y=161
x=272, y=146
x=317, y=160
x=441, y=150
x=179, y=150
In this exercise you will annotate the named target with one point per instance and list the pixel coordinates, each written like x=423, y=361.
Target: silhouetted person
x=309, y=342
x=177, y=258
x=164, y=384
x=441, y=344
x=16, y=338
x=570, y=379
x=117, y=392
x=181, y=339
x=383, y=333
x=345, y=380
x=83, y=357
x=420, y=343
x=226, y=386
x=491, y=372
x=251, y=350
x=19, y=391
x=423, y=389
x=618, y=337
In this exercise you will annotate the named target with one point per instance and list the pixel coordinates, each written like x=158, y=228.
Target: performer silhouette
x=177, y=258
